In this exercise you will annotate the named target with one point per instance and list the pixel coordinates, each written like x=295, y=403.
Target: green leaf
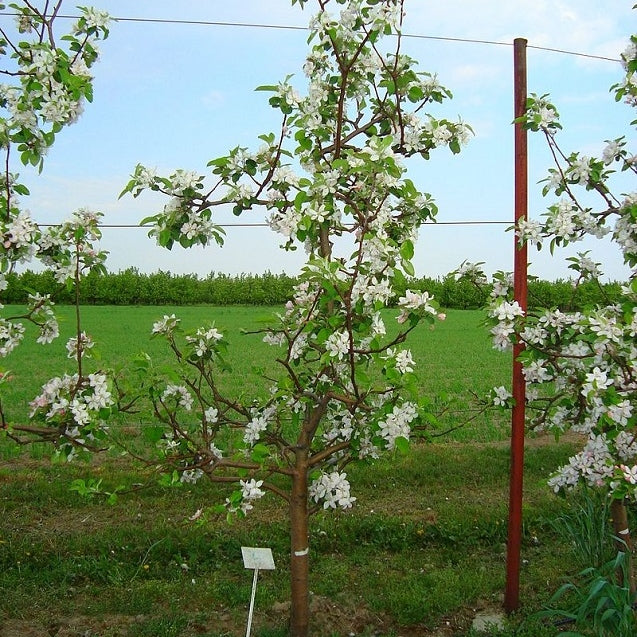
x=219, y=162
x=408, y=267
x=415, y=94
x=153, y=433
x=300, y=199
x=407, y=249
x=260, y=452
x=170, y=479
x=304, y=142
x=402, y=445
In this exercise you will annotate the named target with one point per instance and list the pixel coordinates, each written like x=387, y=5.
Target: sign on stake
x=256, y=559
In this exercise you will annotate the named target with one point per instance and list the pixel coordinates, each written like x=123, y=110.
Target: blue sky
x=177, y=95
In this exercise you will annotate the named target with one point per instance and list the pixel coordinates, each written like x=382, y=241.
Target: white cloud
x=574, y=25
x=474, y=74
x=213, y=99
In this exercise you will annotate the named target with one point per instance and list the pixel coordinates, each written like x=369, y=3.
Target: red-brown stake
x=512, y=593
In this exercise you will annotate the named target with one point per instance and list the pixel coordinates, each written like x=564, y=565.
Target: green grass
x=424, y=545
x=454, y=358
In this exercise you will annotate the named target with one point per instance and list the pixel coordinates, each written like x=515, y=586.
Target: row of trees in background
x=132, y=287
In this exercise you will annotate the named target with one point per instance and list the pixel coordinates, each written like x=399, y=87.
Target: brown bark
x=299, y=548
x=625, y=542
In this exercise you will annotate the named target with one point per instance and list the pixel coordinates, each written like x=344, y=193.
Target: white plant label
x=257, y=558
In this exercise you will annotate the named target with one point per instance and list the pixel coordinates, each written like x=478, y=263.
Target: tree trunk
x=299, y=549
x=625, y=543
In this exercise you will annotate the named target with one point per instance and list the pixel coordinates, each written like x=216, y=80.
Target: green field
x=454, y=358
x=422, y=551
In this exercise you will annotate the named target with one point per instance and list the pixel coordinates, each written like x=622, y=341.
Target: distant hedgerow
x=132, y=287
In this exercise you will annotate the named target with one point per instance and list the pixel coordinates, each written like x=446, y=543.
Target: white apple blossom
x=629, y=54
x=611, y=151
x=258, y=424
x=500, y=396
x=626, y=445
x=502, y=286
x=79, y=347
x=333, y=489
x=204, y=340
x=181, y=393
x=211, y=415
x=67, y=395
x=11, y=335
x=405, y=361
x=191, y=476
x=630, y=473
x=529, y=231
x=166, y=325
x=620, y=412
x=416, y=301
x=580, y=170
x=596, y=380
x=250, y=491
x=182, y=180
x=337, y=345
x=215, y=451
x=536, y=372
x=507, y=311
x=502, y=333
x=298, y=347
x=397, y=423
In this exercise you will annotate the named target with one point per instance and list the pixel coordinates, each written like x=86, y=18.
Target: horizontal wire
x=584, y=55
x=256, y=25
x=300, y=28
x=126, y=226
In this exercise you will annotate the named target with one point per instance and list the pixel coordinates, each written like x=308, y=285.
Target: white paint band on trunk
x=624, y=532
x=301, y=553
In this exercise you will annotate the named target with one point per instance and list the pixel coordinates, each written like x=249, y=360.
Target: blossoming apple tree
x=47, y=80
x=334, y=175
x=581, y=367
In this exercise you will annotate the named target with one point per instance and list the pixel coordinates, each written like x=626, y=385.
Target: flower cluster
x=69, y=250
x=74, y=405
x=420, y=302
x=179, y=395
x=397, y=424
x=79, y=347
x=11, y=335
x=505, y=314
x=333, y=489
x=258, y=424
x=41, y=313
x=540, y=114
x=167, y=325
x=19, y=237
x=204, y=341
x=243, y=501
x=191, y=476
x=51, y=82
x=627, y=88
x=501, y=396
